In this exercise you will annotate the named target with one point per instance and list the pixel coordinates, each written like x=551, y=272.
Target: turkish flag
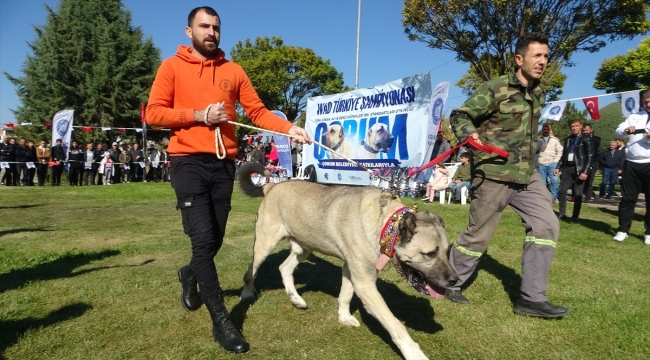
x=10, y=125
x=86, y=128
x=47, y=123
x=592, y=106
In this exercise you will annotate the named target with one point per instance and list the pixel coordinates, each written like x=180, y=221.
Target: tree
x=626, y=72
x=87, y=57
x=285, y=76
x=488, y=30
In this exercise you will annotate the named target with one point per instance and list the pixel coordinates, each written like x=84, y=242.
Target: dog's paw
x=349, y=320
x=297, y=301
x=247, y=294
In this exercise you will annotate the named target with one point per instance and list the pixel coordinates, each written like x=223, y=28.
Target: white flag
x=630, y=102
x=62, y=128
x=106, y=129
x=554, y=110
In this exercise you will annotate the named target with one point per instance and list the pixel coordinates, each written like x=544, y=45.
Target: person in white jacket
x=549, y=152
x=636, y=169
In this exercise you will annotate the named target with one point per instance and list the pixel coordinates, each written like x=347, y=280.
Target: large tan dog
x=346, y=222
x=335, y=139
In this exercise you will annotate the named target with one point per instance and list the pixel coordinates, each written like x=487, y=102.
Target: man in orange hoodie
x=194, y=94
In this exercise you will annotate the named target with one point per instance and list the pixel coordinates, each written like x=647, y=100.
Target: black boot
x=542, y=309
x=223, y=330
x=189, y=295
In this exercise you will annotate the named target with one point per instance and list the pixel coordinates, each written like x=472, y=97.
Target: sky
x=329, y=27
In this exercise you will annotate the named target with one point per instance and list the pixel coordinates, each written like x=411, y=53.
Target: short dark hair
x=208, y=10
x=575, y=121
x=464, y=155
x=642, y=93
x=526, y=39
x=587, y=125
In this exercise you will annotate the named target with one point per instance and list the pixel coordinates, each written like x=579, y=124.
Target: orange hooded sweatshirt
x=184, y=83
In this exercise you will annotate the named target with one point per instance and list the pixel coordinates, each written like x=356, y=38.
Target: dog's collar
x=389, y=236
x=338, y=144
x=368, y=148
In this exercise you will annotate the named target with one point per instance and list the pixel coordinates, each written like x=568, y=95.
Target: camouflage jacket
x=505, y=114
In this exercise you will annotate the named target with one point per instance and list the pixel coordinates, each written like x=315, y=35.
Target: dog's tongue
x=436, y=291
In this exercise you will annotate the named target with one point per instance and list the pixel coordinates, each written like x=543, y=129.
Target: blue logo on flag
x=436, y=111
x=340, y=177
x=555, y=110
x=327, y=177
x=630, y=104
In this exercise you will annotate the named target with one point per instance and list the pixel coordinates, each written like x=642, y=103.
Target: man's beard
x=204, y=50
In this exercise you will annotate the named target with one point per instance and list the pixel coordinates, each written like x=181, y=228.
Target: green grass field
x=90, y=273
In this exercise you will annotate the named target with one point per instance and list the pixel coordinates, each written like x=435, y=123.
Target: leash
x=489, y=149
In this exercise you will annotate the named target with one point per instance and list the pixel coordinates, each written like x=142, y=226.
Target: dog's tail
x=246, y=183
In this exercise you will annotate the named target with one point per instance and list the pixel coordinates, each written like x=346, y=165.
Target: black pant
x=203, y=186
x=42, y=173
x=570, y=178
x=56, y=174
x=589, y=183
x=136, y=172
x=635, y=180
x=75, y=174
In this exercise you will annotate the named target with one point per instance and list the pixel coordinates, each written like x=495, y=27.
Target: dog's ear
x=407, y=227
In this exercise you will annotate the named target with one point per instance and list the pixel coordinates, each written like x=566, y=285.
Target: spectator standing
x=549, y=152
x=106, y=168
x=195, y=93
x=116, y=175
x=636, y=169
x=76, y=161
x=153, y=158
x=11, y=176
x=22, y=154
x=98, y=156
x=43, y=155
x=137, y=156
x=89, y=159
x=588, y=131
x=504, y=112
x=31, y=158
x=164, y=165
x=574, y=165
x=440, y=146
x=58, y=159
x=611, y=161
x=3, y=157
x=125, y=164
x=258, y=155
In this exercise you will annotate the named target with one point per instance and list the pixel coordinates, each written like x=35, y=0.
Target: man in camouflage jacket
x=504, y=113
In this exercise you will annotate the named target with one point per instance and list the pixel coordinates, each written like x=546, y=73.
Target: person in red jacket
x=194, y=93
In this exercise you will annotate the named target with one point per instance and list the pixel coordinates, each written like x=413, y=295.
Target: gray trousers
x=532, y=203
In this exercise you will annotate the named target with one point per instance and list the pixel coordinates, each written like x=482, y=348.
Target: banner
x=592, y=107
x=554, y=110
x=382, y=127
x=283, y=147
x=630, y=103
x=437, y=105
x=62, y=128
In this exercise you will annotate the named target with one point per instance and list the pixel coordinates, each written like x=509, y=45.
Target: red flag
x=156, y=129
x=86, y=128
x=10, y=125
x=47, y=123
x=122, y=129
x=592, y=106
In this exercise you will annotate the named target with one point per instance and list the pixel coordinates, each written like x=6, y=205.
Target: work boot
x=189, y=294
x=542, y=309
x=223, y=330
x=456, y=296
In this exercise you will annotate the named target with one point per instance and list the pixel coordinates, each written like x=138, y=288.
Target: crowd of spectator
x=85, y=165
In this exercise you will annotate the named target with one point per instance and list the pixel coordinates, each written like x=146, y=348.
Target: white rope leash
x=218, y=140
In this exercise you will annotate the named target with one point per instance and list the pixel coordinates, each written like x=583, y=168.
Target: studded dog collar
x=389, y=236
